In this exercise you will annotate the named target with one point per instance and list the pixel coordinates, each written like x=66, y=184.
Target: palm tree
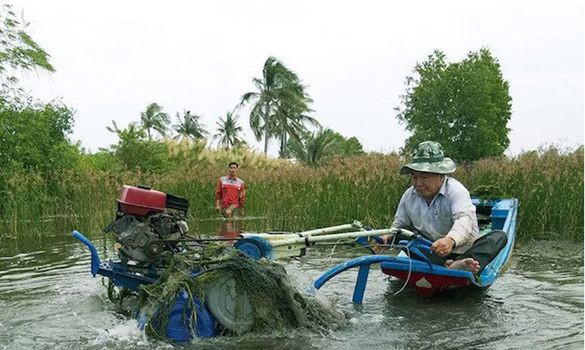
x=290, y=120
x=189, y=126
x=315, y=147
x=279, y=97
x=154, y=118
x=228, y=130
x=128, y=139
x=133, y=131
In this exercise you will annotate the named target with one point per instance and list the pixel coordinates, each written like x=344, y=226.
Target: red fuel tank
x=141, y=201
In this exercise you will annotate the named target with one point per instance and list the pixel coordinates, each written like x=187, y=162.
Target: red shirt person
x=230, y=194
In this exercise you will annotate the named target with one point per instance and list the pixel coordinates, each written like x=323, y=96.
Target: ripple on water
x=49, y=300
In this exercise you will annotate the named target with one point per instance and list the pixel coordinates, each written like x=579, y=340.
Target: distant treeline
x=547, y=182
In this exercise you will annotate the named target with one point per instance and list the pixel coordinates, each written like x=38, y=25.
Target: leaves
x=314, y=149
x=228, y=131
x=34, y=138
x=154, y=118
x=189, y=127
x=18, y=51
x=464, y=105
x=135, y=152
x=278, y=106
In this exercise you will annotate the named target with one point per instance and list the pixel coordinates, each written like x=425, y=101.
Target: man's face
x=426, y=184
x=233, y=169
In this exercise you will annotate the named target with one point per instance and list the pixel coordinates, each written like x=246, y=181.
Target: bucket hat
x=429, y=158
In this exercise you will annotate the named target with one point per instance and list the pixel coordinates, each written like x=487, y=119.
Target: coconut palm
x=291, y=122
x=133, y=131
x=154, y=118
x=228, y=130
x=190, y=126
x=313, y=148
x=279, y=100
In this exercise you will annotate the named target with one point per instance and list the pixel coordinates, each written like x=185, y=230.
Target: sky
x=113, y=58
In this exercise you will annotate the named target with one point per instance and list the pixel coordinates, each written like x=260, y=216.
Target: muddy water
x=48, y=300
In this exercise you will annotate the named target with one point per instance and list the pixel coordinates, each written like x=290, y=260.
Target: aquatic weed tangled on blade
x=275, y=302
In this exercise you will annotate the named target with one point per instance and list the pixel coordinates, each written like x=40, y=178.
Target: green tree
x=277, y=105
x=351, y=146
x=465, y=105
x=18, y=51
x=34, y=138
x=154, y=119
x=316, y=148
x=103, y=160
x=189, y=126
x=228, y=131
x=290, y=121
x=135, y=152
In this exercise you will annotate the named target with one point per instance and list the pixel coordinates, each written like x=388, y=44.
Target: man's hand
x=443, y=246
x=386, y=238
x=376, y=247
x=217, y=207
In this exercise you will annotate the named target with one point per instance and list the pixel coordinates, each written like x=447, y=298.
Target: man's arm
x=401, y=218
x=463, y=215
x=242, y=196
x=218, y=195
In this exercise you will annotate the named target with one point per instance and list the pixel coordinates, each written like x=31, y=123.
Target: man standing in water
x=230, y=195
x=439, y=207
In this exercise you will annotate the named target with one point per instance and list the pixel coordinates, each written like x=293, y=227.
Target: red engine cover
x=138, y=201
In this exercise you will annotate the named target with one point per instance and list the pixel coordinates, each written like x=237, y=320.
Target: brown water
x=48, y=300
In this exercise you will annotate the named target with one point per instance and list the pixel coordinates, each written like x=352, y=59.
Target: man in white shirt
x=440, y=208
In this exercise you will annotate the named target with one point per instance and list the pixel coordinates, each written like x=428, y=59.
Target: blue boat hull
x=426, y=278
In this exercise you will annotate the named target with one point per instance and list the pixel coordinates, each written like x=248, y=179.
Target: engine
x=149, y=225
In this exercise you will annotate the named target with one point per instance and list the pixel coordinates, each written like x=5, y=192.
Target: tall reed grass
x=548, y=184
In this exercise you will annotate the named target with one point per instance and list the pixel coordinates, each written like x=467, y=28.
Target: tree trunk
x=266, y=111
x=283, y=141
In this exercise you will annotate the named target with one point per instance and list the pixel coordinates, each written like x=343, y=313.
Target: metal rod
x=331, y=237
x=270, y=237
x=321, y=231
x=213, y=239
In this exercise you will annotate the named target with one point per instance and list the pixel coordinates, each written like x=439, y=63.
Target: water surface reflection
x=50, y=301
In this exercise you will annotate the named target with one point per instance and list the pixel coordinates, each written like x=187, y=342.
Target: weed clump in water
x=275, y=303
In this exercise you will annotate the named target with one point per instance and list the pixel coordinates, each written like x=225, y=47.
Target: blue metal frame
x=95, y=258
x=363, y=263
x=178, y=329
x=117, y=272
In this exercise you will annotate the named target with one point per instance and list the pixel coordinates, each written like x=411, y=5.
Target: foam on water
x=52, y=302
x=125, y=332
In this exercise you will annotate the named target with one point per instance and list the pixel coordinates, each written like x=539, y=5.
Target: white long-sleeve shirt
x=450, y=213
